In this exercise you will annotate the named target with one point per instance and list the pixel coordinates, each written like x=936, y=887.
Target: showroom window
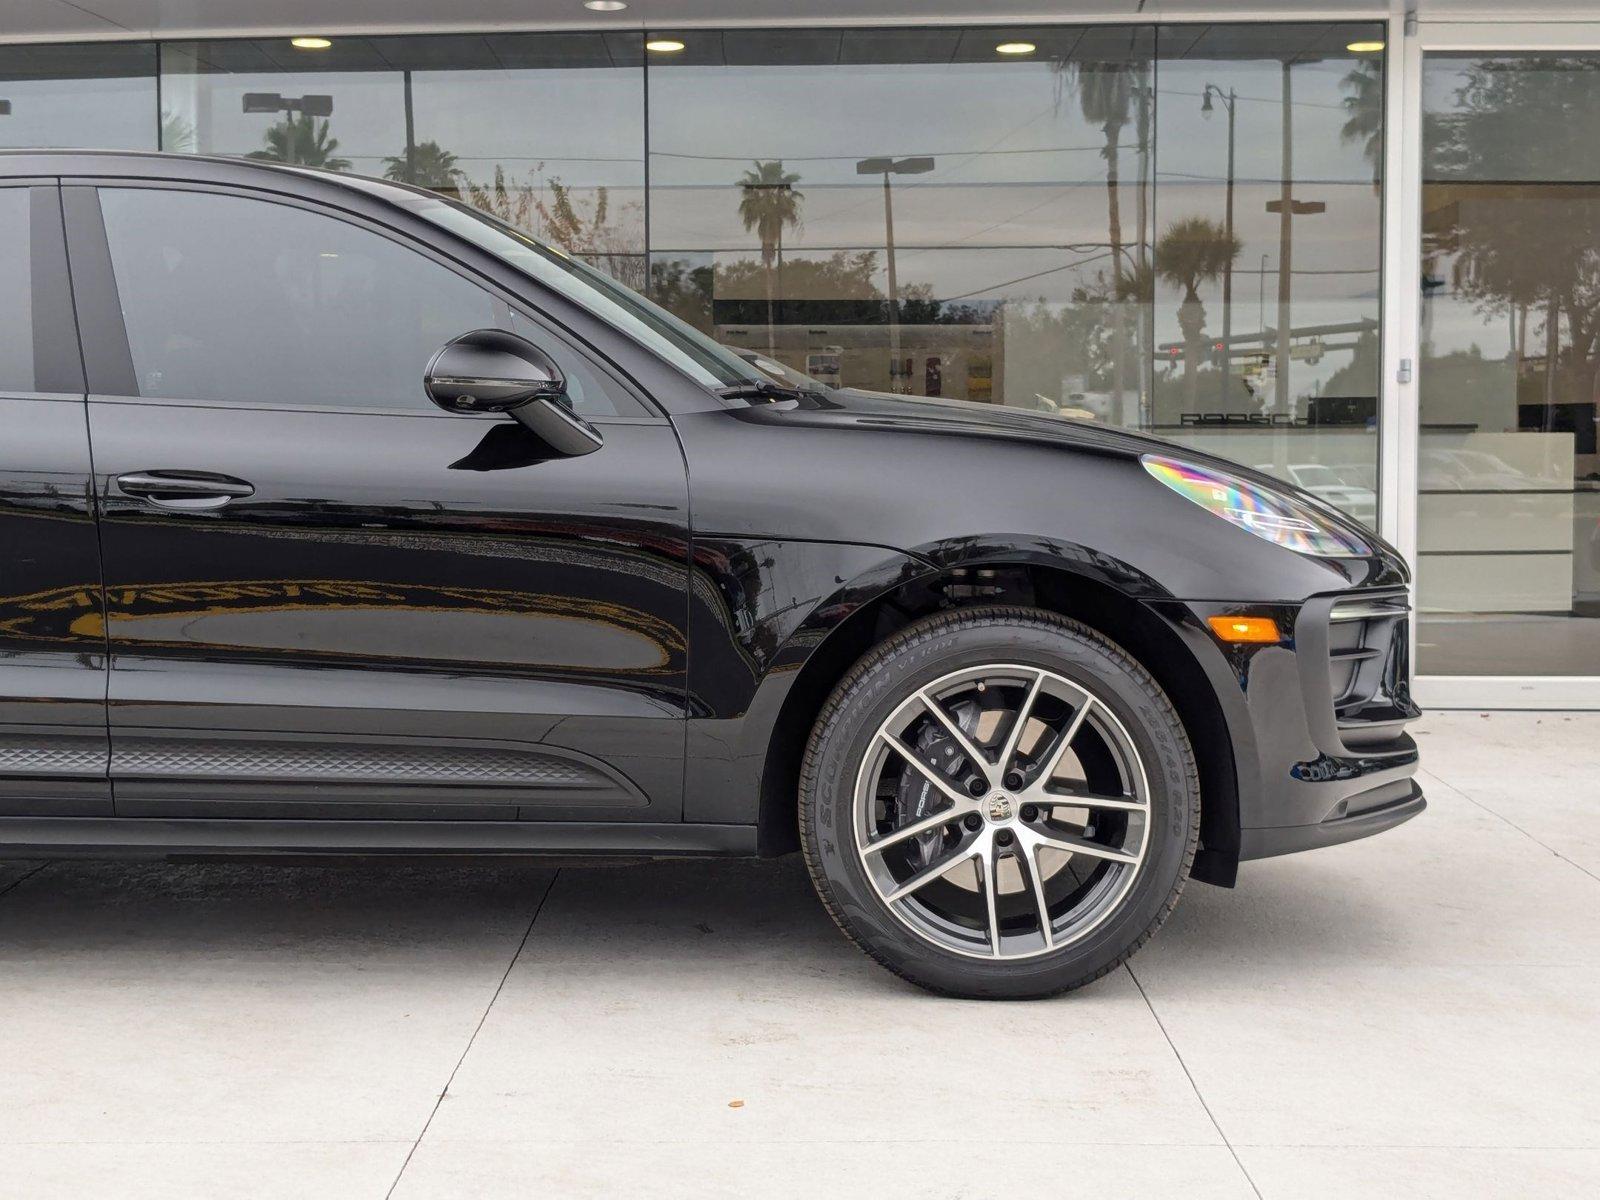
x=1173, y=228
x=543, y=130
x=942, y=212
x=1508, y=471
x=1170, y=228
x=1267, y=256
x=86, y=95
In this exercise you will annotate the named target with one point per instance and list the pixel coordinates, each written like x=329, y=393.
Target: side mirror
x=492, y=371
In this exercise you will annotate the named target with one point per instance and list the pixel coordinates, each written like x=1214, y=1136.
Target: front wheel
x=999, y=803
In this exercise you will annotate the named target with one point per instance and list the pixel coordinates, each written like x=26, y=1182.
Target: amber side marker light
x=1254, y=630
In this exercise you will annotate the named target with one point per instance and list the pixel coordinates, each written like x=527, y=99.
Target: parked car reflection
x=1327, y=483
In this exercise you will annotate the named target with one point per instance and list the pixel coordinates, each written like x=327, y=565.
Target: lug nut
x=1014, y=780
x=1030, y=812
x=1004, y=837
x=973, y=822
x=977, y=786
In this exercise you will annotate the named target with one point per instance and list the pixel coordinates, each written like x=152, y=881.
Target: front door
x=325, y=597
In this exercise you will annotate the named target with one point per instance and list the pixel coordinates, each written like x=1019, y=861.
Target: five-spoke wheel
x=999, y=802
x=1002, y=811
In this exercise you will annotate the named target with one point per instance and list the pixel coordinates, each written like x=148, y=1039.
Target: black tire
x=953, y=641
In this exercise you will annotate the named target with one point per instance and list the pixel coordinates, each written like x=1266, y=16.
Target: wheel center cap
x=999, y=807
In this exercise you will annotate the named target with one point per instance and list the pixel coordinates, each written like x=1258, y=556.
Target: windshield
x=782, y=373
x=684, y=346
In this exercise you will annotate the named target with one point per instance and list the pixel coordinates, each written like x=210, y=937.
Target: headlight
x=1264, y=512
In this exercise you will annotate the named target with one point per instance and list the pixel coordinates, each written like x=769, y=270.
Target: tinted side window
x=16, y=292
x=231, y=298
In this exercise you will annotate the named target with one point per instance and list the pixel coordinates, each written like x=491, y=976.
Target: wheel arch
x=1148, y=632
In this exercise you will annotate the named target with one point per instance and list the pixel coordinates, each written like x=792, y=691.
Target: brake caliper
x=916, y=797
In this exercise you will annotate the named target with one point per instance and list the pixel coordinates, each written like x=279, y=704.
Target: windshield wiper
x=762, y=389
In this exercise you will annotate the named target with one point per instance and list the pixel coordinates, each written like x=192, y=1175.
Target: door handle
x=184, y=489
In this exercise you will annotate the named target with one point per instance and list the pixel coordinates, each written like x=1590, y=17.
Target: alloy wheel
x=1002, y=811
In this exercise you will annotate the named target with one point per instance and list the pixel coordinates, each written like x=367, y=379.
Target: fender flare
x=804, y=671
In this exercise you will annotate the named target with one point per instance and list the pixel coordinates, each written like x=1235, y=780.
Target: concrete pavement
x=1418, y=1015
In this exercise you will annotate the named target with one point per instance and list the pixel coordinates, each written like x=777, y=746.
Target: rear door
x=53, y=746
x=326, y=597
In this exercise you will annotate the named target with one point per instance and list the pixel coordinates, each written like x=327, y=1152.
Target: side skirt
x=154, y=837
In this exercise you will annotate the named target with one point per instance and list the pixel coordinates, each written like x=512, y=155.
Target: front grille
x=1368, y=667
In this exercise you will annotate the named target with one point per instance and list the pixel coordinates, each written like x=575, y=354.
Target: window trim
x=107, y=351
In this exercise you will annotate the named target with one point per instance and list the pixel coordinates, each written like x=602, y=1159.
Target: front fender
x=759, y=610
x=1047, y=553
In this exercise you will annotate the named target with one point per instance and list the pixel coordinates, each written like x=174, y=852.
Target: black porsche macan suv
x=338, y=518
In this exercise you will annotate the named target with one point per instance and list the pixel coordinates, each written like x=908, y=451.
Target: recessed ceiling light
x=663, y=45
x=604, y=5
x=310, y=43
x=1364, y=47
x=1015, y=48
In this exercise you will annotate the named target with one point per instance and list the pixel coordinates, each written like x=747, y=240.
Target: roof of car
x=92, y=159
x=155, y=164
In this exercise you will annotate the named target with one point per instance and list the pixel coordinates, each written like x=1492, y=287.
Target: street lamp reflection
x=886, y=166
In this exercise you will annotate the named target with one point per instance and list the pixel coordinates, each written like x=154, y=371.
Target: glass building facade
x=1187, y=228
x=1508, y=473
x=1165, y=228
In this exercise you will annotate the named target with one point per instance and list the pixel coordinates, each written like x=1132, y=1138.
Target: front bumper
x=1327, y=758
x=1367, y=820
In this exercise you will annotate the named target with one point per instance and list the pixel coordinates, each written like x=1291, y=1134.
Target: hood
x=850, y=407
x=917, y=414
x=970, y=418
